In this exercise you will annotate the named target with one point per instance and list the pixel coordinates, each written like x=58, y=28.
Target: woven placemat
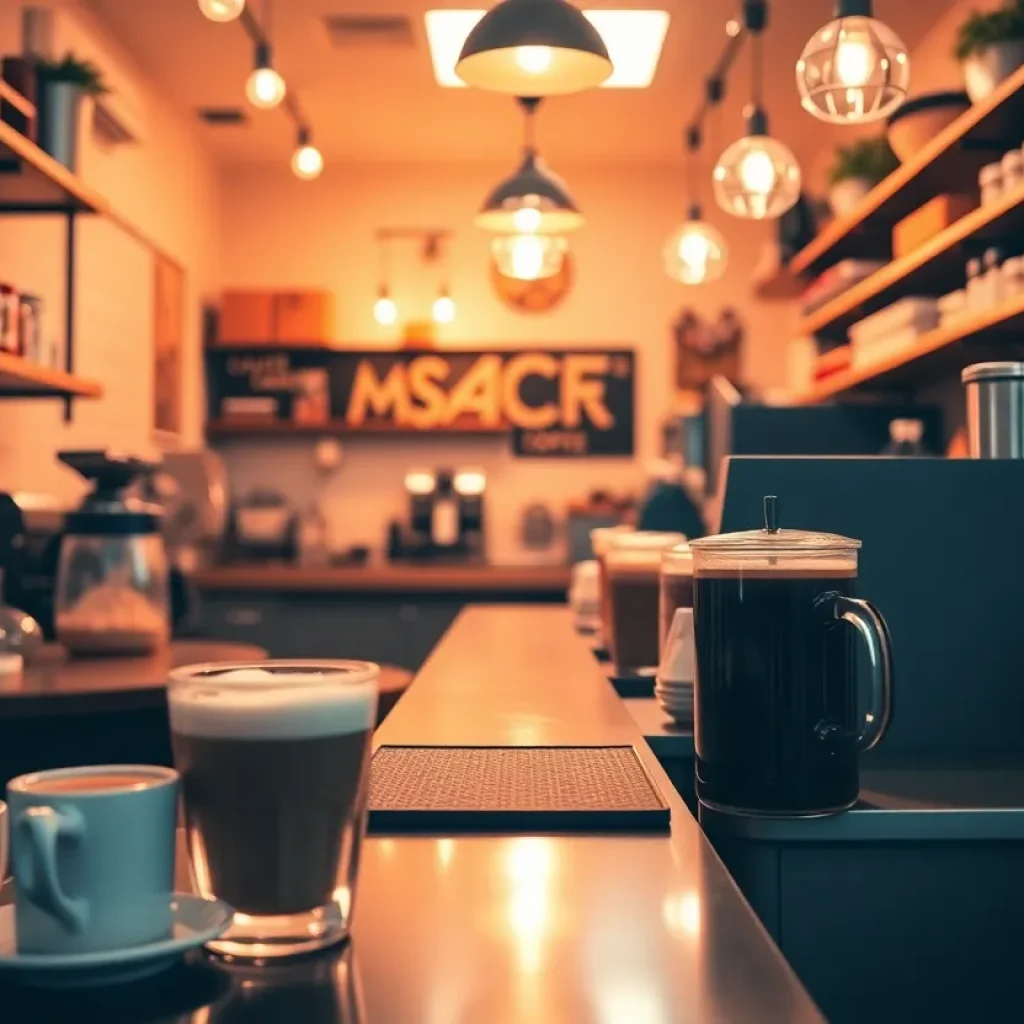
x=513, y=789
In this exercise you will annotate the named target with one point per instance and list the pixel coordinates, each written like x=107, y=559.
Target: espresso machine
x=446, y=515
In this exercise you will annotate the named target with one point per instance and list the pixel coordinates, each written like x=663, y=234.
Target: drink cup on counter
x=274, y=762
x=632, y=570
x=675, y=588
x=585, y=600
x=600, y=541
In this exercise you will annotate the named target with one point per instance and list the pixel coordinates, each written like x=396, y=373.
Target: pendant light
x=264, y=87
x=696, y=252
x=534, y=48
x=222, y=10
x=533, y=200
x=444, y=309
x=757, y=177
x=307, y=160
x=385, y=311
x=855, y=69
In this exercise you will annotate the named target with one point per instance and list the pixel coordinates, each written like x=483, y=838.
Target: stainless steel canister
x=995, y=410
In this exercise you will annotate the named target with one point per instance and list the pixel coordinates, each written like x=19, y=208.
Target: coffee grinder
x=446, y=514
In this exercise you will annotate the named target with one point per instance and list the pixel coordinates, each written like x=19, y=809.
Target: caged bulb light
x=854, y=70
x=529, y=257
x=222, y=10
x=696, y=252
x=757, y=177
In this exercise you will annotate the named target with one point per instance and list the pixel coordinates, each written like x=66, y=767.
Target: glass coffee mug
x=776, y=723
x=274, y=762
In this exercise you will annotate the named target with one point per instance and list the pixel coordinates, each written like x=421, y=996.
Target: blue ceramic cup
x=92, y=851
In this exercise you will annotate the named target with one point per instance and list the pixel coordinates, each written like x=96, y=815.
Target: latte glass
x=274, y=763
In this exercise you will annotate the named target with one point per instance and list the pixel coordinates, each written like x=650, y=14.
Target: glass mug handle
x=35, y=863
x=865, y=618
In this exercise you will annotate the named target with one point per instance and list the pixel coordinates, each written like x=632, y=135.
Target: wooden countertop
x=396, y=578
x=58, y=685
x=552, y=927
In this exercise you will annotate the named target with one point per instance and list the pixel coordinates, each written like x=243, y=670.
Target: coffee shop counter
x=589, y=927
x=391, y=613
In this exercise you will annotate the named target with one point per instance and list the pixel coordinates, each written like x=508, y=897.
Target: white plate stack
x=673, y=687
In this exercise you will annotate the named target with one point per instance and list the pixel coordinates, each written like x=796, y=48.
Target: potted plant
x=858, y=168
x=990, y=47
x=60, y=88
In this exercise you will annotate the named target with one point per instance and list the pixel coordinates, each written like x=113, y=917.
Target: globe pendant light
x=534, y=48
x=757, y=177
x=222, y=10
x=264, y=87
x=695, y=252
x=533, y=200
x=855, y=69
x=307, y=160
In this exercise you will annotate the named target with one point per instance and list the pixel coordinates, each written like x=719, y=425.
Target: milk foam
x=258, y=704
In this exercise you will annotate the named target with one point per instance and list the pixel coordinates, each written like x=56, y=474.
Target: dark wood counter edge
x=519, y=675
x=388, y=579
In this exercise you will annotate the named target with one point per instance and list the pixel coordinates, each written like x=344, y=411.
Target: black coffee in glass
x=777, y=728
x=776, y=714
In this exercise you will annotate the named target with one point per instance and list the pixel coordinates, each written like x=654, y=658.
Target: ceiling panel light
x=634, y=40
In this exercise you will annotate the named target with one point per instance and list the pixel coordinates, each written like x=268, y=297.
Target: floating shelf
x=994, y=334
x=21, y=103
x=241, y=428
x=20, y=378
x=33, y=182
x=781, y=284
x=934, y=268
x=949, y=163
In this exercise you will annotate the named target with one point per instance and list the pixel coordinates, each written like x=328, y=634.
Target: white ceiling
x=381, y=103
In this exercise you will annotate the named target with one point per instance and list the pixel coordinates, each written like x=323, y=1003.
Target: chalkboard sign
x=570, y=402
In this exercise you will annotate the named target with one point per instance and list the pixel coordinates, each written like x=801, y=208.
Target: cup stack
x=673, y=686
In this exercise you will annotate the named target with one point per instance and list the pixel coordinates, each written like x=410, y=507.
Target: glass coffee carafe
x=777, y=728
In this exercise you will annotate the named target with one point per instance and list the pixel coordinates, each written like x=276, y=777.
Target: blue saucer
x=194, y=921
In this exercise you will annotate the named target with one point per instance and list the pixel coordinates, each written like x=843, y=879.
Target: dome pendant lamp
x=696, y=252
x=855, y=69
x=534, y=48
x=533, y=200
x=757, y=177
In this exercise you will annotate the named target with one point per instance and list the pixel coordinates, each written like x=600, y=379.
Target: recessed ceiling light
x=634, y=40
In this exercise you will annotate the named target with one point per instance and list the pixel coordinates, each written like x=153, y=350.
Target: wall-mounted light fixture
x=433, y=252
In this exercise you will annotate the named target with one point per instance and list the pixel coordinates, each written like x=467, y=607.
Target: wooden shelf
x=33, y=182
x=948, y=163
x=782, y=284
x=22, y=104
x=934, y=268
x=20, y=378
x=232, y=428
x=994, y=334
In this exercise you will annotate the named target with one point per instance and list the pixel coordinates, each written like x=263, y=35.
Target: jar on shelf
x=1013, y=277
x=1012, y=168
x=990, y=182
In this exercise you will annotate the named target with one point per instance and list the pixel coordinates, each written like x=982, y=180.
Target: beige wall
x=278, y=231
x=166, y=186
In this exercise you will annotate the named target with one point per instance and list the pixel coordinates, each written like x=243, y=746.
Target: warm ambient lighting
x=855, y=69
x=757, y=177
x=633, y=39
x=695, y=252
x=307, y=160
x=529, y=257
x=264, y=88
x=385, y=312
x=444, y=308
x=222, y=10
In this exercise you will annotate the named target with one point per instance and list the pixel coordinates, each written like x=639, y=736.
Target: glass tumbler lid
x=774, y=547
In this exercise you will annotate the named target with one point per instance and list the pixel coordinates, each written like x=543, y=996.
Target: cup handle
x=865, y=618
x=35, y=863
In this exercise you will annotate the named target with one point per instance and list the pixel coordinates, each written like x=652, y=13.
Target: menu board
x=552, y=403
